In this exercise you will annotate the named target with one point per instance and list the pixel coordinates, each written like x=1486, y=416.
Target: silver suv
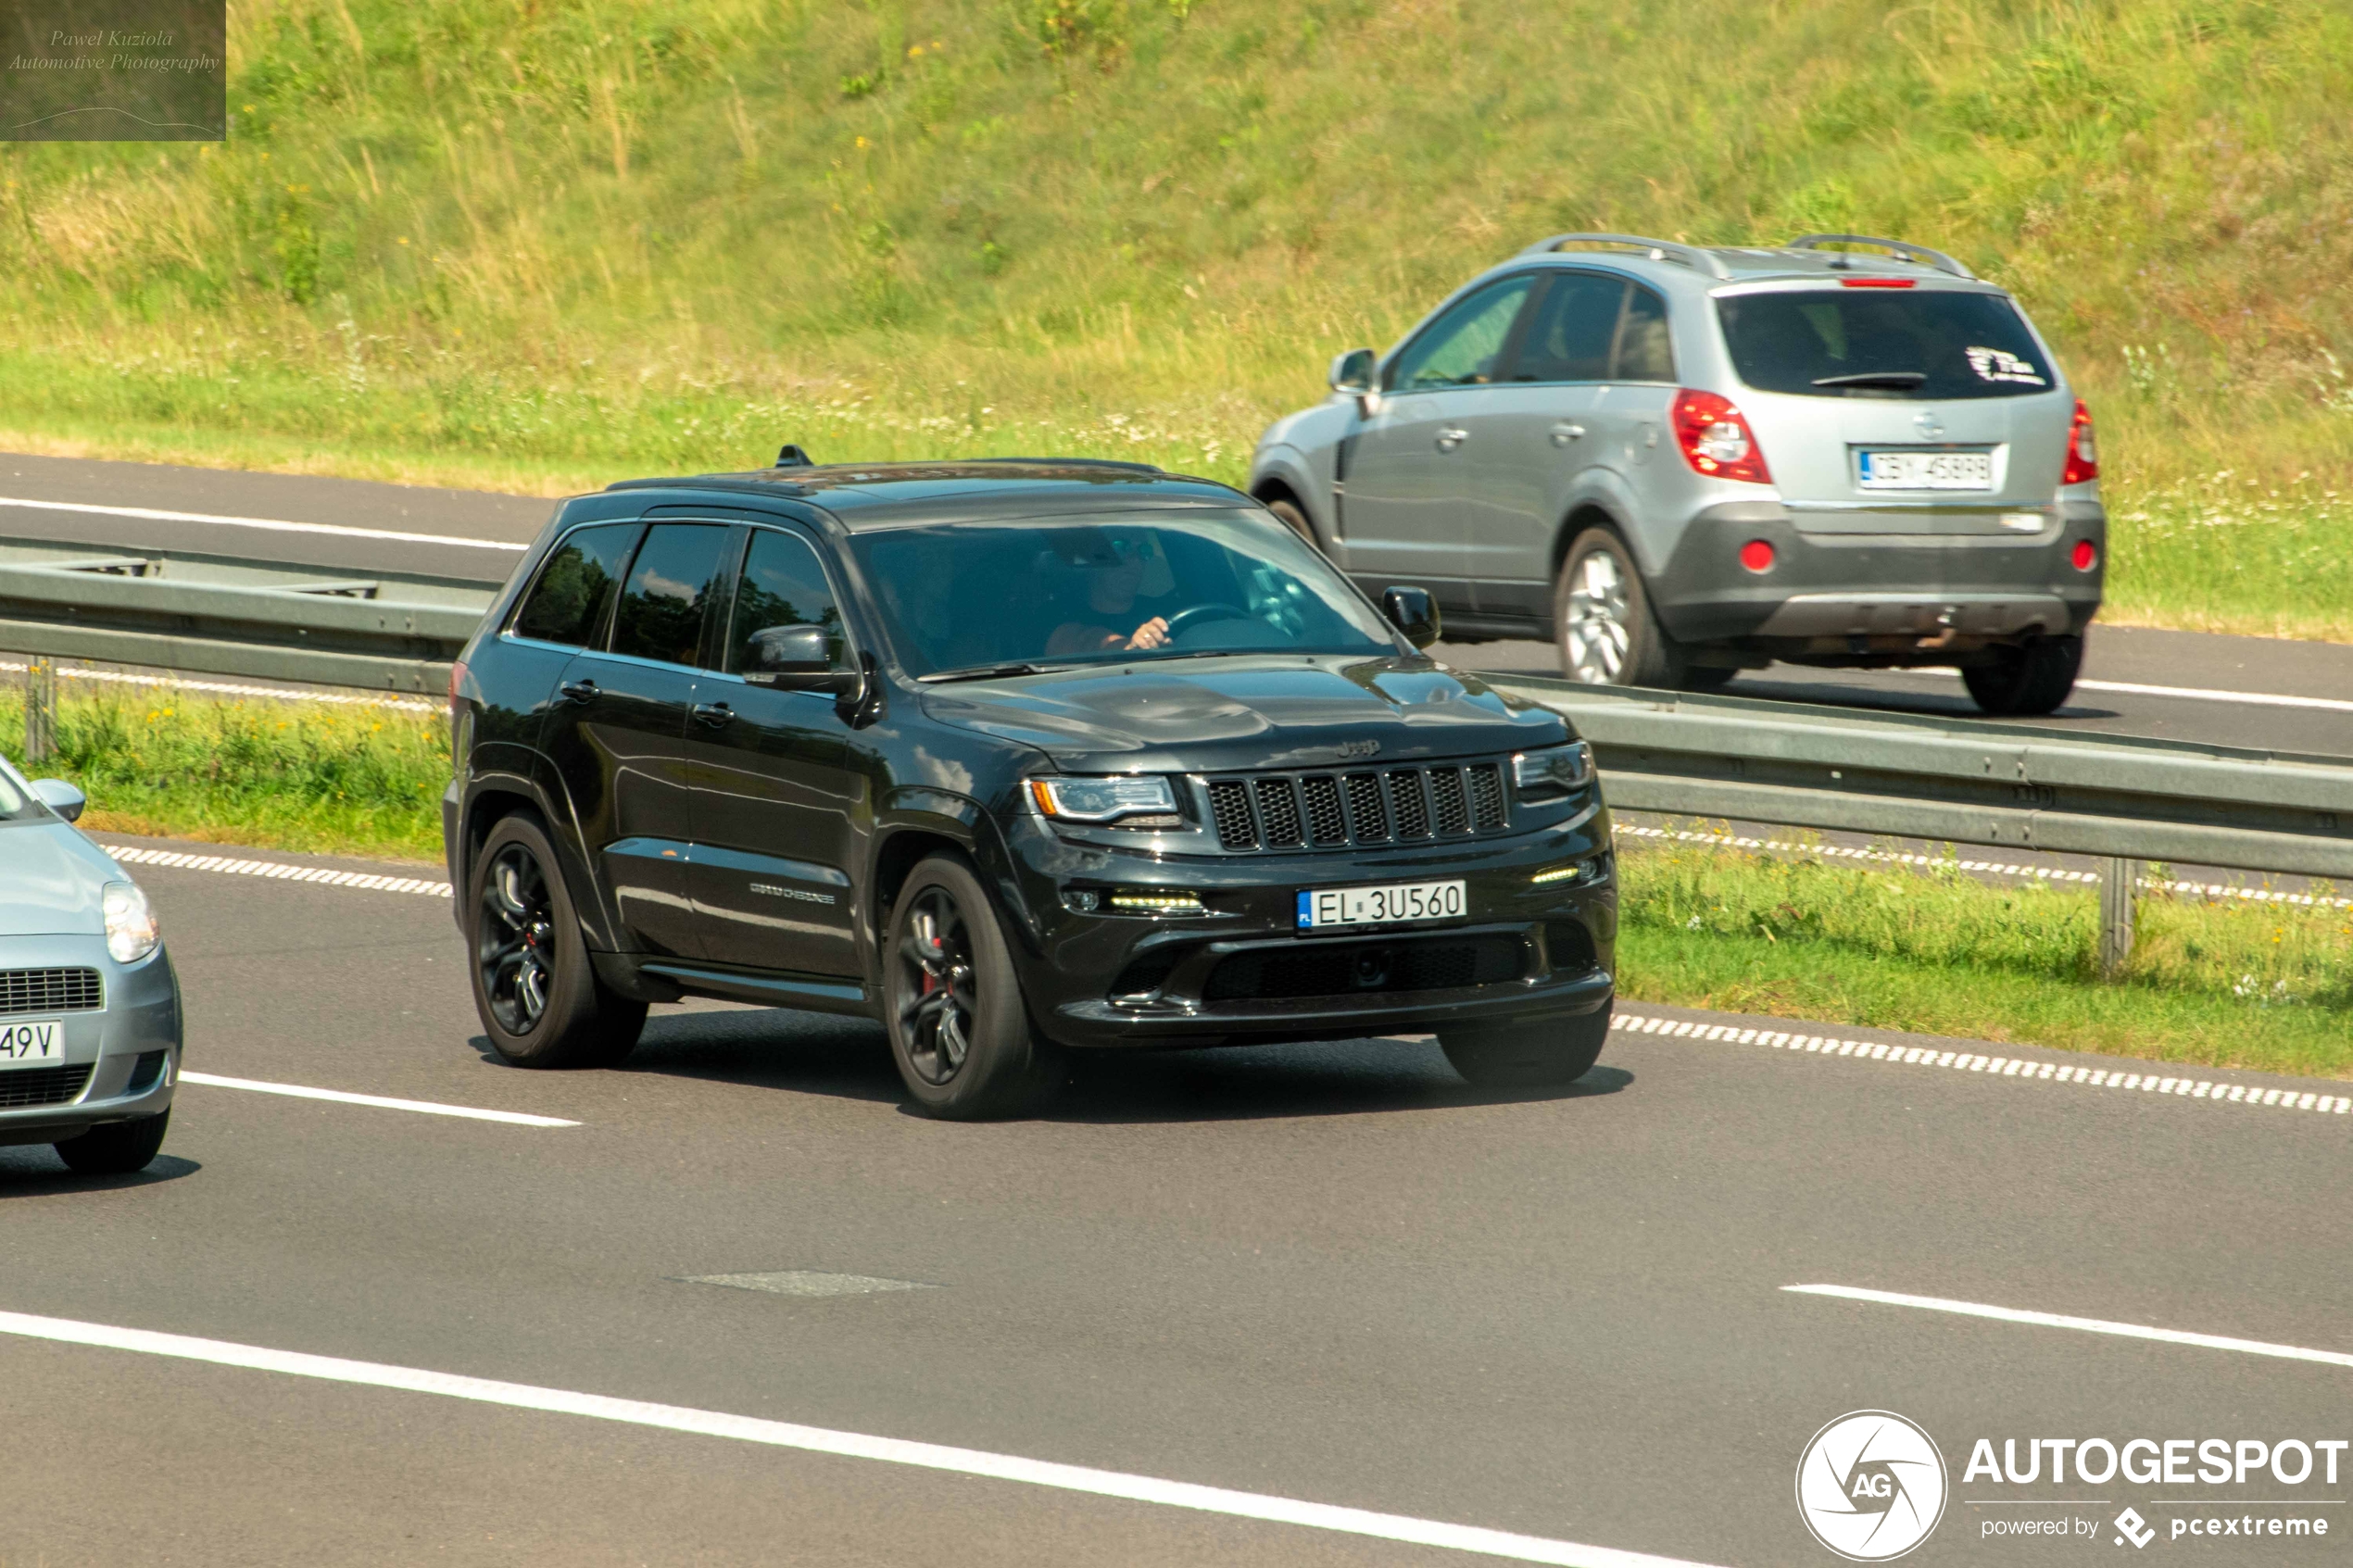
x=1680, y=463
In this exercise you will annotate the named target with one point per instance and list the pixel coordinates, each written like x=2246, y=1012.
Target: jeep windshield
x=975, y=598
x=1910, y=343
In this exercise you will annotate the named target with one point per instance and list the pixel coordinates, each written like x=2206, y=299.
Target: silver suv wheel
x=1596, y=629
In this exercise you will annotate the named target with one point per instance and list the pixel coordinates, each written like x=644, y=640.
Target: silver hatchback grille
x=1340, y=810
x=50, y=990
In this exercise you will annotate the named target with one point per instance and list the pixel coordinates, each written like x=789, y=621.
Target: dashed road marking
x=2206, y=1089
x=2087, y=1325
x=273, y=525
x=807, y=1282
x=278, y=871
x=379, y=1102
x=847, y=1444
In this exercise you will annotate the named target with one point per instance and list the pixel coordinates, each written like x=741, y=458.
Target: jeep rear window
x=1911, y=343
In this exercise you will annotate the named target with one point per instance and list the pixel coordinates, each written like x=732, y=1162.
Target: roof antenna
x=793, y=458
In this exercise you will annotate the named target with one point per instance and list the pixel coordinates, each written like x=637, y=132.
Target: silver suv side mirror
x=1352, y=371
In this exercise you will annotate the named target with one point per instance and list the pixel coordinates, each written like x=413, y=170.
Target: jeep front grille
x=1339, y=810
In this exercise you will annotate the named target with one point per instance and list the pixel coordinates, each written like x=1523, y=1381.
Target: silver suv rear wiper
x=1906, y=380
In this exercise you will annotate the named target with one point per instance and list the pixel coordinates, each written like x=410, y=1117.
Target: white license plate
x=1399, y=903
x=31, y=1042
x=1924, y=471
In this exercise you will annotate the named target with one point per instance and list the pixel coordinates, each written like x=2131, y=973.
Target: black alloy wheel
x=514, y=939
x=936, y=987
x=540, y=1001
x=959, y=1029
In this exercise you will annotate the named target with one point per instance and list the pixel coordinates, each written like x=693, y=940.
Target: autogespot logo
x=1870, y=1486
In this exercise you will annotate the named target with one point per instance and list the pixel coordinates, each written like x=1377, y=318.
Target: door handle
x=718, y=715
x=579, y=691
x=1564, y=434
x=1451, y=438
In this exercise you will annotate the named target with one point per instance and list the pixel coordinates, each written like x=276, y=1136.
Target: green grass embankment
x=332, y=778
x=513, y=243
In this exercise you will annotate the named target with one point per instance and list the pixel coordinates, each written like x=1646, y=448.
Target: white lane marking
x=278, y=871
x=1996, y=1066
x=381, y=1102
x=2195, y=694
x=2087, y=1325
x=2257, y=699
x=1988, y=868
x=227, y=688
x=269, y=524
x=846, y=1445
x=807, y=1282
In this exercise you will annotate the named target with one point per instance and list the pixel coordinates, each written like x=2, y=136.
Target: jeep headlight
x=1554, y=771
x=1132, y=801
x=131, y=934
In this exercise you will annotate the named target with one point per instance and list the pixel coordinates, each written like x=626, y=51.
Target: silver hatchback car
x=1680, y=463
x=88, y=1004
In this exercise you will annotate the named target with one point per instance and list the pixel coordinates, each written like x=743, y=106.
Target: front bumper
x=117, y=1061
x=1525, y=950
x=1828, y=587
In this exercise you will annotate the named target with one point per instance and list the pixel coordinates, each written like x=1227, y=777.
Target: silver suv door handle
x=1452, y=436
x=1564, y=434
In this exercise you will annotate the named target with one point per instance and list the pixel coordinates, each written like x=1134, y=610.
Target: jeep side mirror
x=1413, y=613
x=1352, y=371
x=799, y=658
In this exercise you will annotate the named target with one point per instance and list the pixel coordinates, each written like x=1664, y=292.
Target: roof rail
x=1660, y=250
x=1905, y=250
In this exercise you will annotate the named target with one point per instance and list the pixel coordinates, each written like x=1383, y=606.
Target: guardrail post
x=2119, y=880
x=40, y=709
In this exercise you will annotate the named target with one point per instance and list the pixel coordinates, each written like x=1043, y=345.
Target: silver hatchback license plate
x=31, y=1042
x=1396, y=903
x=1923, y=470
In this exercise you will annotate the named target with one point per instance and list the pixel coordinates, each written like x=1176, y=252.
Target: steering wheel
x=1185, y=621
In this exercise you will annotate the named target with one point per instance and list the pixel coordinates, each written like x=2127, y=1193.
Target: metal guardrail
x=230, y=615
x=2123, y=798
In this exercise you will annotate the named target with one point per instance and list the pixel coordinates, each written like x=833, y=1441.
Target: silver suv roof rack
x=1908, y=252
x=1660, y=250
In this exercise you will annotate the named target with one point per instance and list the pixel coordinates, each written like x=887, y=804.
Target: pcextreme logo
x=1870, y=1486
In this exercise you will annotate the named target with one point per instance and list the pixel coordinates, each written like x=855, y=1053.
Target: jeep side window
x=676, y=576
x=574, y=596
x=1570, y=331
x=782, y=584
x=1462, y=347
x=1644, y=351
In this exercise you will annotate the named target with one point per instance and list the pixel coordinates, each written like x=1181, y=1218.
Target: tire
x=1557, y=1050
x=2026, y=681
x=116, y=1148
x=1706, y=677
x=534, y=988
x=1602, y=620
x=1296, y=520
x=960, y=1030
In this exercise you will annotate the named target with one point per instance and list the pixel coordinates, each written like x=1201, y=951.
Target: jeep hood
x=1247, y=712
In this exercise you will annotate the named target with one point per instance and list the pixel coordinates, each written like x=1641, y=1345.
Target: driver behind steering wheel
x=1114, y=564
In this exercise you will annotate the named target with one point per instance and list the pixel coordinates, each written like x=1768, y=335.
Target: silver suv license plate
x=1924, y=471
x=31, y=1042
x=1399, y=903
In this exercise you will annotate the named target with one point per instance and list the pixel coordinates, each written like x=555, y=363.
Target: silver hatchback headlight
x=132, y=932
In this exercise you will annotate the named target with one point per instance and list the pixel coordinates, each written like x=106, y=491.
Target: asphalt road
x=1332, y=1273
x=2230, y=691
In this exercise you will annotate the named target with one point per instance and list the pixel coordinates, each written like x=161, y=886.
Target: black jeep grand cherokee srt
x=1012, y=755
